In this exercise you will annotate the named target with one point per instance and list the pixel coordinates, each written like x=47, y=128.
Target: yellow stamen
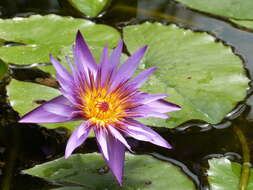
x=102, y=108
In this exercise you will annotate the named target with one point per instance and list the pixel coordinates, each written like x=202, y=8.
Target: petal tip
x=153, y=69
x=176, y=107
x=120, y=182
x=24, y=119
x=79, y=35
x=168, y=146
x=145, y=47
x=67, y=155
x=120, y=44
x=143, y=50
x=21, y=121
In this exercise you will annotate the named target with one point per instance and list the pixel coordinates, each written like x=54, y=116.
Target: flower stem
x=11, y=160
x=245, y=172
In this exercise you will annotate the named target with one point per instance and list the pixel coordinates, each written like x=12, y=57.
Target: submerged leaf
x=202, y=76
x=141, y=172
x=33, y=39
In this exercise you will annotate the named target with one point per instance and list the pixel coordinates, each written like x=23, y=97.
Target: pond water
x=23, y=146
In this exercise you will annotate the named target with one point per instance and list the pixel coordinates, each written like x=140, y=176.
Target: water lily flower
x=107, y=98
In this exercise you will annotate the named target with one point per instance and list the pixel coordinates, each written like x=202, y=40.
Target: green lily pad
x=38, y=36
x=90, y=8
x=245, y=23
x=24, y=95
x=141, y=172
x=236, y=9
x=204, y=77
x=224, y=174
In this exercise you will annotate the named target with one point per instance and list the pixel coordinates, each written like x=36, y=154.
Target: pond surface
x=23, y=146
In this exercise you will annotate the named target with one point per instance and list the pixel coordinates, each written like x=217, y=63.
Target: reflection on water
x=22, y=146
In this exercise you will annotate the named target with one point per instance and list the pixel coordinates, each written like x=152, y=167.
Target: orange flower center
x=103, y=108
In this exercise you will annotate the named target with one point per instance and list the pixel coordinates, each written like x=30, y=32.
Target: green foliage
x=90, y=8
x=40, y=36
x=141, y=172
x=225, y=175
x=236, y=9
x=202, y=76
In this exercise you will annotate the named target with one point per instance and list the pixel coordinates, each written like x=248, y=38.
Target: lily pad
x=141, y=172
x=245, y=23
x=204, y=77
x=34, y=38
x=25, y=96
x=236, y=9
x=224, y=174
x=90, y=8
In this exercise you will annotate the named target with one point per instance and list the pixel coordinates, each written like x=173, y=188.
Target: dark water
x=23, y=146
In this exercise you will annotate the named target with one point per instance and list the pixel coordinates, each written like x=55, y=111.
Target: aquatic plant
x=107, y=98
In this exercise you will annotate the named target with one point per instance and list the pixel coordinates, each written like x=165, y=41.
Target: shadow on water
x=23, y=146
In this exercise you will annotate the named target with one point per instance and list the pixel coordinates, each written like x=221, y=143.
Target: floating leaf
x=202, y=76
x=25, y=96
x=89, y=7
x=236, y=9
x=38, y=36
x=141, y=172
x=224, y=174
x=245, y=23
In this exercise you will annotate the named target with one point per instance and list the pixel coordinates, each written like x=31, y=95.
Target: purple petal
x=69, y=93
x=127, y=69
x=116, y=158
x=70, y=64
x=116, y=154
x=145, y=98
x=79, y=135
x=104, y=65
x=146, y=111
x=56, y=110
x=163, y=106
x=83, y=57
x=118, y=136
x=142, y=77
x=140, y=132
x=109, y=65
x=101, y=136
x=61, y=71
x=116, y=54
x=65, y=79
x=74, y=72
